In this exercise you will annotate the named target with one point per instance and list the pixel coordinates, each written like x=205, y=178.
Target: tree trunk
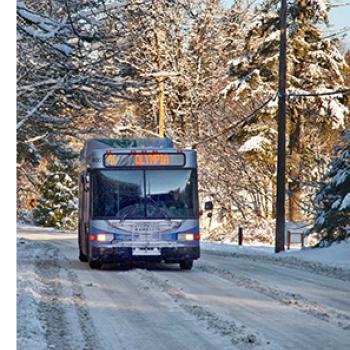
x=273, y=199
x=267, y=184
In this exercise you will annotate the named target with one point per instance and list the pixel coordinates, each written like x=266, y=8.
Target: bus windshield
x=139, y=194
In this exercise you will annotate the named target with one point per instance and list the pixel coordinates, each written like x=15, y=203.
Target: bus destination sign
x=145, y=159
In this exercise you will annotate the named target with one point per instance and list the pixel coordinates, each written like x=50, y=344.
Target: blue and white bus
x=138, y=201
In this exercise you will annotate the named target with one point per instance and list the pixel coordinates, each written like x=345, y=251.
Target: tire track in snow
x=295, y=300
x=88, y=334
x=86, y=325
x=239, y=334
x=51, y=310
x=88, y=337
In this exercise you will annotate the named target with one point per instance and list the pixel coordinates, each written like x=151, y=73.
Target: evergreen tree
x=314, y=65
x=58, y=205
x=333, y=199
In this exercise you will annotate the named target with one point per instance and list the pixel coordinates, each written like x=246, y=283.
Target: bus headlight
x=105, y=237
x=188, y=237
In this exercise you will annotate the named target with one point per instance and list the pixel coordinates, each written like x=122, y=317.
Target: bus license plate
x=146, y=251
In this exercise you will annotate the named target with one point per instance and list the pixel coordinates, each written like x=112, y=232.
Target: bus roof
x=94, y=151
x=124, y=143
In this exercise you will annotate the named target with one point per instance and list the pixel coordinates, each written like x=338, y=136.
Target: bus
x=138, y=201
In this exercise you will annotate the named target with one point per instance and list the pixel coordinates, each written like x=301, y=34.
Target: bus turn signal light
x=188, y=236
x=102, y=237
x=105, y=237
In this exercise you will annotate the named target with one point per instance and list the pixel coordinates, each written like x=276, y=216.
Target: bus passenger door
x=84, y=194
x=86, y=212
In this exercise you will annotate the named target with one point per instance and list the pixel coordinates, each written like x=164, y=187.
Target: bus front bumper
x=171, y=252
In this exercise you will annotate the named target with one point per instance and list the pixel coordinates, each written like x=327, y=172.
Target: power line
x=241, y=122
x=248, y=118
x=315, y=94
x=340, y=5
x=244, y=121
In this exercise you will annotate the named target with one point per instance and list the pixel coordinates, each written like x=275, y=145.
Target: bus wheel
x=186, y=265
x=83, y=257
x=95, y=264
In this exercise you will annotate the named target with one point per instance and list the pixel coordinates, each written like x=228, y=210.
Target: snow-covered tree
x=57, y=205
x=182, y=39
x=314, y=65
x=67, y=80
x=333, y=199
x=91, y=68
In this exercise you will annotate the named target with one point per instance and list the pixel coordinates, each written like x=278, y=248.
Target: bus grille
x=145, y=236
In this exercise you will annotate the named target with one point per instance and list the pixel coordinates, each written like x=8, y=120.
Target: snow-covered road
x=225, y=302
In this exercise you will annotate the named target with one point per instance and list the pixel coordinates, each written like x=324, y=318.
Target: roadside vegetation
x=91, y=69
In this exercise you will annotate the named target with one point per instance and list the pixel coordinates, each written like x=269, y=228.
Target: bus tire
x=95, y=264
x=186, y=265
x=82, y=256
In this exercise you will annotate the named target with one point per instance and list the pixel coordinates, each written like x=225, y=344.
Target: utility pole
x=281, y=148
x=160, y=77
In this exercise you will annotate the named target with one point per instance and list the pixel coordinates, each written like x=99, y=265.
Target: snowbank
x=30, y=332
x=337, y=255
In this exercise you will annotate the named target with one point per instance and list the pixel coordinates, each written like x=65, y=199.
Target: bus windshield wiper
x=162, y=210
x=129, y=212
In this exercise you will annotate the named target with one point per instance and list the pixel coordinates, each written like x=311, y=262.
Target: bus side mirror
x=86, y=183
x=208, y=205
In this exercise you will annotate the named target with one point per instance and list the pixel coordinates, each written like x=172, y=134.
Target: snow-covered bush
x=58, y=205
x=333, y=199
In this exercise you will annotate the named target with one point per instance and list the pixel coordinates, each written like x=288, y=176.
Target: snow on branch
x=40, y=104
x=315, y=94
x=241, y=123
x=47, y=28
x=255, y=143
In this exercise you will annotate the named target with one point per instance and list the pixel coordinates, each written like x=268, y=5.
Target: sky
x=339, y=17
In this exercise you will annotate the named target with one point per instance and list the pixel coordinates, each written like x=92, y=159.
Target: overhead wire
x=248, y=118
x=243, y=121
x=328, y=93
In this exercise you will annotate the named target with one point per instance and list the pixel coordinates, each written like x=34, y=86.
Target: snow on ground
x=30, y=333
x=337, y=255
x=330, y=261
x=234, y=298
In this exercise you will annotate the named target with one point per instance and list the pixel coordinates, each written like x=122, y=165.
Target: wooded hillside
x=97, y=68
